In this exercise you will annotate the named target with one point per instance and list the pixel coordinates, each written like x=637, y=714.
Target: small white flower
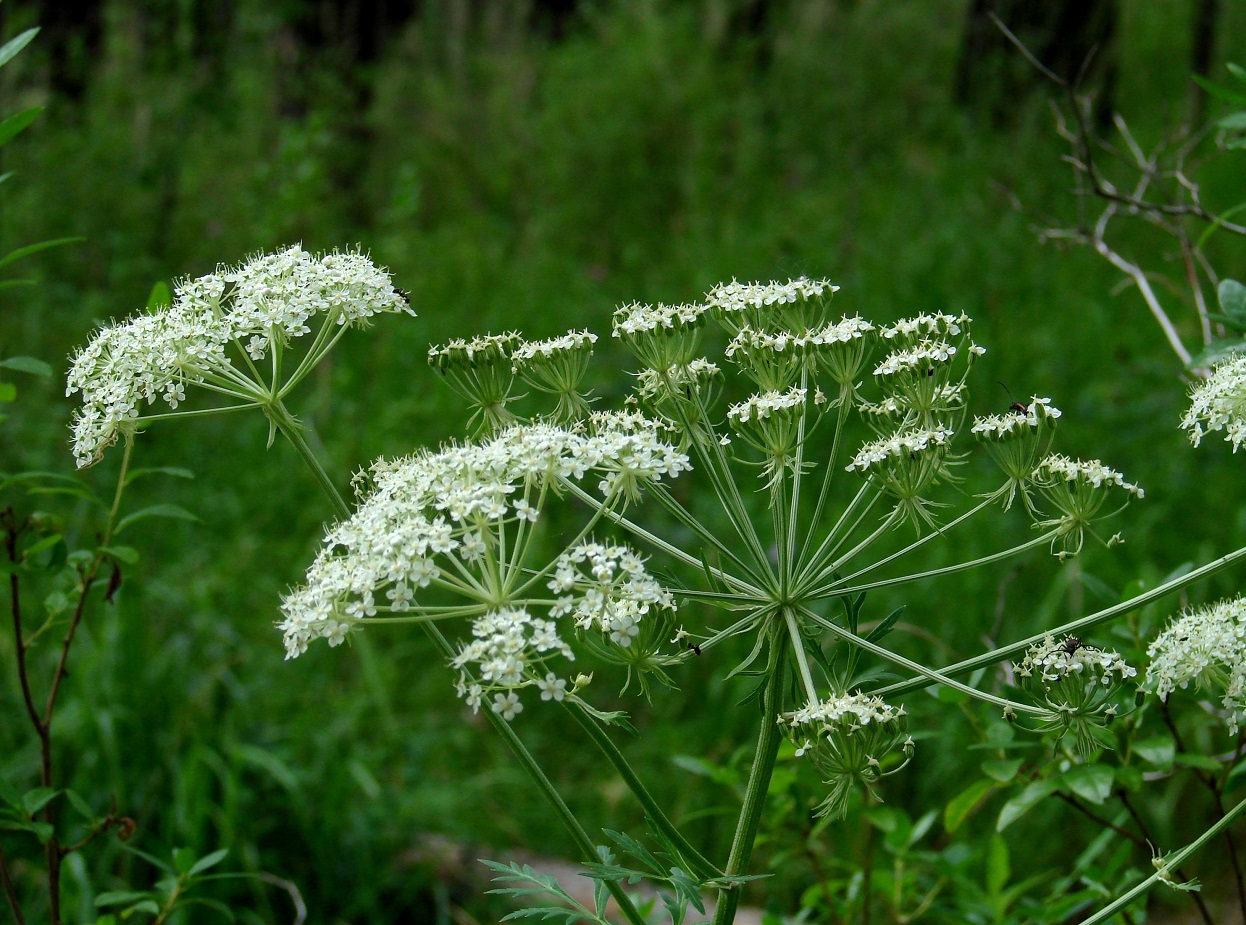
x=507, y=704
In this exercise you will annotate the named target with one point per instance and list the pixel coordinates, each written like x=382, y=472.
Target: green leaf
x=1002, y=771
x=961, y=805
x=28, y=365
x=29, y=249
x=8, y=392
x=9, y=794
x=1023, y=802
x=34, y=800
x=1233, y=121
x=1232, y=296
x=208, y=860
x=1092, y=782
x=10, y=49
x=1224, y=94
x=1202, y=762
x=1158, y=751
x=885, y=626
x=998, y=868
x=175, y=471
x=183, y=860
x=126, y=554
x=1237, y=71
x=15, y=124
x=719, y=774
x=160, y=297
x=1217, y=352
x=120, y=898
x=171, y=511
x=945, y=694
x=77, y=801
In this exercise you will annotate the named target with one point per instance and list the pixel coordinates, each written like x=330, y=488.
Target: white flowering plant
x=826, y=454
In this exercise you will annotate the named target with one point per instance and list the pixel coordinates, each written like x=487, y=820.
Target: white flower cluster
x=1219, y=404
x=257, y=306
x=735, y=296
x=1057, y=467
x=857, y=708
x=436, y=517
x=509, y=650
x=571, y=342
x=650, y=383
x=899, y=446
x=1011, y=423
x=484, y=348
x=923, y=355
x=606, y=588
x=1050, y=661
x=760, y=407
x=1204, y=645
x=636, y=318
x=922, y=327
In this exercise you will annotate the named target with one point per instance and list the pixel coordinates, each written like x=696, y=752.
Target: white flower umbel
x=1078, y=489
x=1205, y=646
x=1080, y=686
x=557, y=366
x=848, y=738
x=1016, y=441
x=772, y=423
x=660, y=336
x=212, y=337
x=797, y=305
x=482, y=371
x=1219, y=403
x=906, y=466
x=457, y=524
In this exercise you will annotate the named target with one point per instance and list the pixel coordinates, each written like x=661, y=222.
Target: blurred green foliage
x=515, y=181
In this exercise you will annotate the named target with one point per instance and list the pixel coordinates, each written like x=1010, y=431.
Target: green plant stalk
x=552, y=796
x=1167, y=863
x=700, y=865
x=293, y=431
x=758, y=783
x=1069, y=629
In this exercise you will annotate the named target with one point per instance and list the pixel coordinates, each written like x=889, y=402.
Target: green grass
x=511, y=182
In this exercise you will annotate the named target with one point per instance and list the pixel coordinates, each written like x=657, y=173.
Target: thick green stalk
x=1165, y=865
x=1069, y=629
x=758, y=783
x=293, y=431
x=701, y=867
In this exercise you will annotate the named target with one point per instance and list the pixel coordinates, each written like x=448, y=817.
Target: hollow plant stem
x=293, y=431
x=758, y=783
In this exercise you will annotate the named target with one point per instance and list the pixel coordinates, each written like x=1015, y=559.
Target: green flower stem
x=831, y=468
x=1165, y=865
x=199, y=412
x=837, y=587
x=826, y=571
x=293, y=431
x=802, y=662
x=1070, y=629
x=932, y=676
x=555, y=800
x=673, y=551
x=701, y=867
x=758, y=783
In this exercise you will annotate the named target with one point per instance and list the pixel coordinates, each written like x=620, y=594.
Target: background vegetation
x=518, y=170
